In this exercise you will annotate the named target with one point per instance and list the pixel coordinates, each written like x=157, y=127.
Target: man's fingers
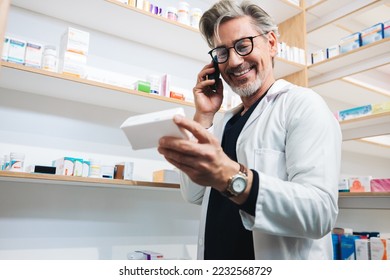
x=195, y=128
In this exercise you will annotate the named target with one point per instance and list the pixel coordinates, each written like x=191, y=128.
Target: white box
x=107, y=171
x=332, y=51
x=317, y=56
x=33, y=55
x=16, y=51
x=144, y=131
x=75, y=40
x=350, y=42
x=362, y=249
x=4, y=54
x=360, y=184
x=73, y=64
x=86, y=166
x=78, y=167
x=379, y=248
x=64, y=166
x=166, y=176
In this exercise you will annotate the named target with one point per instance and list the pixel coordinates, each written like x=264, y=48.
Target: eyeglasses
x=242, y=47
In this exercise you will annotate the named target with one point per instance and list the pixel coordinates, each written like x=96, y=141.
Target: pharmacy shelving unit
x=24, y=177
x=361, y=211
x=110, y=214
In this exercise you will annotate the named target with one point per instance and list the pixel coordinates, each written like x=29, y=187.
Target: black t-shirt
x=225, y=236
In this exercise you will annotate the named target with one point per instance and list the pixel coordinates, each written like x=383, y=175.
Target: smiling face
x=251, y=74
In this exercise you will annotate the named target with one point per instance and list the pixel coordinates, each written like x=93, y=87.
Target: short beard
x=248, y=90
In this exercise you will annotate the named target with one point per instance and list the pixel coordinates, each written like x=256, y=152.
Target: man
x=267, y=175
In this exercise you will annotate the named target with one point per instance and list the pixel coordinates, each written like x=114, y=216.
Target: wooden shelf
x=365, y=200
x=364, y=194
x=67, y=87
x=359, y=60
x=23, y=177
x=372, y=125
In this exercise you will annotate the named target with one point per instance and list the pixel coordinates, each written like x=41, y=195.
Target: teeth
x=241, y=73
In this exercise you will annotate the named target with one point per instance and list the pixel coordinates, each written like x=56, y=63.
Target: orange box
x=176, y=95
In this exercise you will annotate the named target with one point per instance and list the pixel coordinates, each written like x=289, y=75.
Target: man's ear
x=273, y=43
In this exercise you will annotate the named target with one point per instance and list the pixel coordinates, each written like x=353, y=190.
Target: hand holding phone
x=214, y=76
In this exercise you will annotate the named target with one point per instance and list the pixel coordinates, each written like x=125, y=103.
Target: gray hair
x=225, y=10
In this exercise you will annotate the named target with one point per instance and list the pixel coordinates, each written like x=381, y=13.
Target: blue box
x=355, y=112
x=347, y=247
x=350, y=42
x=372, y=34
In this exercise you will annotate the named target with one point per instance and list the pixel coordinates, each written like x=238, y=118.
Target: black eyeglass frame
x=215, y=59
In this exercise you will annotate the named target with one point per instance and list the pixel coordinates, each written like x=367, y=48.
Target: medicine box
x=355, y=112
x=33, y=55
x=86, y=166
x=73, y=64
x=318, y=56
x=78, y=167
x=386, y=29
x=166, y=176
x=332, y=51
x=379, y=248
x=64, y=166
x=75, y=40
x=380, y=185
x=372, y=34
x=360, y=184
x=347, y=247
x=362, y=249
x=107, y=171
x=4, y=54
x=16, y=50
x=142, y=86
x=350, y=42
x=149, y=255
x=381, y=107
x=124, y=170
x=343, y=185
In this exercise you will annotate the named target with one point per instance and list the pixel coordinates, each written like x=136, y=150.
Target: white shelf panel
x=364, y=58
x=81, y=90
x=284, y=67
x=280, y=10
x=372, y=125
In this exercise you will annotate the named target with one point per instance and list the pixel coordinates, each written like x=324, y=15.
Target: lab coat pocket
x=271, y=162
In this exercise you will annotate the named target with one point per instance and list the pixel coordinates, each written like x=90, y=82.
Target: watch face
x=239, y=184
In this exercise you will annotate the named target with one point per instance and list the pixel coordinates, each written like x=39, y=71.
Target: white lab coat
x=294, y=142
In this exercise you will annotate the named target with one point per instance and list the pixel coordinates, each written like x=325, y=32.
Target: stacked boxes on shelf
x=350, y=245
x=364, y=184
x=353, y=41
x=73, y=52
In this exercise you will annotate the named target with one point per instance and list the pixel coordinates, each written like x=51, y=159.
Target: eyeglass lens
x=242, y=47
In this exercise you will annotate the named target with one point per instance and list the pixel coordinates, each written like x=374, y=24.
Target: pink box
x=380, y=185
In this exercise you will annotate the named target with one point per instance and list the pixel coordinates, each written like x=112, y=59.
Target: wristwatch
x=237, y=184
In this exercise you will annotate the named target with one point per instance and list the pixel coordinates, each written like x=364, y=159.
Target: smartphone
x=214, y=76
